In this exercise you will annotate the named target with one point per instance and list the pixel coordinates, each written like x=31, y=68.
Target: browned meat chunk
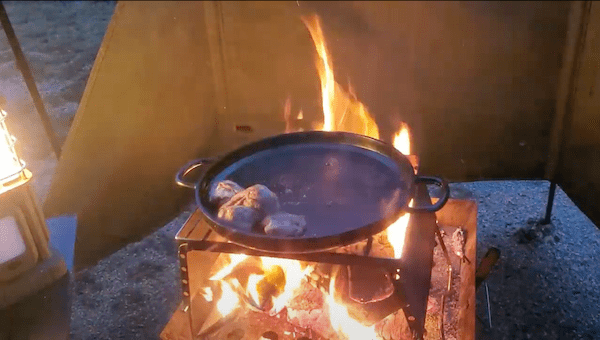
x=240, y=216
x=284, y=224
x=223, y=191
x=258, y=197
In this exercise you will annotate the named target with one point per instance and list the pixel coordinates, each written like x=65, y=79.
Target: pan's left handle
x=184, y=171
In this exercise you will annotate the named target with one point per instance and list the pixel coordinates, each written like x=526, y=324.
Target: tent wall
x=578, y=157
x=476, y=81
x=148, y=108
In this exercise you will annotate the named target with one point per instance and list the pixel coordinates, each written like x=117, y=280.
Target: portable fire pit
x=324, y=232
x=366, y=283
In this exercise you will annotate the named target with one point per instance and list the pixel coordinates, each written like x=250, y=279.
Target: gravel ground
x=60, y=40
x=546, y=284
x=546, y=288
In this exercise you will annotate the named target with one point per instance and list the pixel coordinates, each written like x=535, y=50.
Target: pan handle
x=189, y=167
x=440, y=203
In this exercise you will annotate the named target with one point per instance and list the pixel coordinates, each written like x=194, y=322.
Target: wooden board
x=457, y=213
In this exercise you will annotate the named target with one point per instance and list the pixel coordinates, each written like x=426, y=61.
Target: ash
x=439, y=287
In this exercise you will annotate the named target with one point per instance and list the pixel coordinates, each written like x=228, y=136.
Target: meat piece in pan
x=284, y=224
x=223, y=191
x=240, y=216
x=258, y=197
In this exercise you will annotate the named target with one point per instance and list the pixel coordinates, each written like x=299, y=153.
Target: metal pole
x=29, y=81
x=550, y=203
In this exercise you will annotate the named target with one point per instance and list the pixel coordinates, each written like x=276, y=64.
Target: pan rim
x=279, y=244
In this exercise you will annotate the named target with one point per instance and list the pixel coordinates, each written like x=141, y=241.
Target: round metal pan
x=348, y=187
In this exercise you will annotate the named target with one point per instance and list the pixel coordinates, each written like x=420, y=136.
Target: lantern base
x=43, y=315
x=35, y=279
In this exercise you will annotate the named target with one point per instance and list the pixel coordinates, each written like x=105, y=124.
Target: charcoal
x=284, y=224
x=223, y=191
x=241, y=217
x=258, y=197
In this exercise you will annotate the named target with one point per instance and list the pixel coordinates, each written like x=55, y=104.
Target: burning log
x=270, y=286
x=367, y=284
x=368, y=313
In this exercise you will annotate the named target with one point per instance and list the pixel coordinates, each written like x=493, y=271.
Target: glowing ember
x=229, y=300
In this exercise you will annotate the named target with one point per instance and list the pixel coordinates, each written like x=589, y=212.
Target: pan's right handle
x=440, y=203
x=184, y=171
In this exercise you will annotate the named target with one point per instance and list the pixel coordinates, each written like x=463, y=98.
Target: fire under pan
x=199, y=249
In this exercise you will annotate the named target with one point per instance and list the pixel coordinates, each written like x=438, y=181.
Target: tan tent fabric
x=147, y=109
x=475, y=80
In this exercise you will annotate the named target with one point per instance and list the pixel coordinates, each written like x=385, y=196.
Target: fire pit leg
x=406, y=308
x=185, y=283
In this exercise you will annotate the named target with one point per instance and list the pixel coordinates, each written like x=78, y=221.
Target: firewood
x=270, y=287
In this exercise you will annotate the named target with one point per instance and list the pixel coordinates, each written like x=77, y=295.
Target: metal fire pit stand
x=414, y=268
x=392, y=265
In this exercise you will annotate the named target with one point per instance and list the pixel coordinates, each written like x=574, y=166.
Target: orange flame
x=229, y=300
x=341, y=110
x=235, y=260
x=402, y=140
x=396, y=232
x=343, y=323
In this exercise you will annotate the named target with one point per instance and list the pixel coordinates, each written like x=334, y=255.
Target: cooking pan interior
x=340, y=188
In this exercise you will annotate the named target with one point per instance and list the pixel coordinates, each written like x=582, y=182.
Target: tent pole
x=29, y=81
x=551, y=194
